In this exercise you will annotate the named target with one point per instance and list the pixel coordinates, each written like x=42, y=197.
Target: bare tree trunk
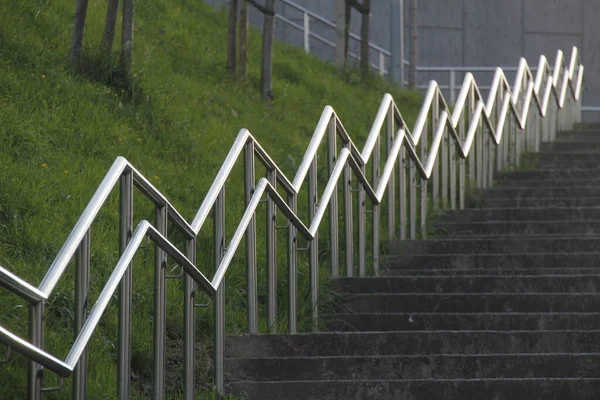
x=414, y=29
x=127, y=36
x=109, y=29
x=340, y=30
x=364, y=38
x=243, y=27
x=266, y=70
x=231, y=33
x=79, y=26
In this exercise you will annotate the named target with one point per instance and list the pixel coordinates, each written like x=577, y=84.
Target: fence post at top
x=306, y=32
x=452, y=86
x=251, y=268
x=219, y=232
x=334, y=251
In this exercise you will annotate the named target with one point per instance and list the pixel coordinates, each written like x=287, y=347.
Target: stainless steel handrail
x=527, y=95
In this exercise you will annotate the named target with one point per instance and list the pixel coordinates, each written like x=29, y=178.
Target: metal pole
x=348, y=223
x=271, y=258
x=251, y=268
x=125, y=288
x=292, y=268
x=412, y=79
x=219, y=231
x=160, y=304
x=391, y=187
x=306, y=33
x=189, y=319
x=452, y=86
x=376, y=209
x=435, y=193
x=314, y=244
x=334, y=252
x=36, y=337
x=361, y=228
x=402, y=192
x=396, y=70
x=461, y=165
x=82, y=281
x=423, y=181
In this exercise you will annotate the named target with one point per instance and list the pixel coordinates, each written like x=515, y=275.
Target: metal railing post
x=391, y=186
x=376, y=157
x=219, y=232
x=361, y=228
x=462, y=180
x=402, y=182
x=292, y=268
x=125, y=288
x=435, y=192
x=82, y=278
x=271, y=258
x=348, y=221
x=189, y=325
x=314, y=244
x=452, y=86
x=334, y=250
x=423, y=182
x=36, y=337
x=381, y=63
x=306, y=32
x=251, y=267
x=160, y=308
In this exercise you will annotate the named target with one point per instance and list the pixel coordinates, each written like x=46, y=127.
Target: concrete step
x=455, y=389
x=445, y=269
x=573, y=144
x=521, y=214
x=512, y=192
x=490, y=262
x=470, y=284
x=377, y=322
x=550, y=173
x=498, y=245
x=521, y=202
x=548, y=182
x=469, y=302
x=443, y=366
x=339, y=344
x=564, y=162
x=532, y=228
x=568, y=155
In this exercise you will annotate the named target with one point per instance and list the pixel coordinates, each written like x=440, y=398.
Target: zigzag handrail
x=348, y=156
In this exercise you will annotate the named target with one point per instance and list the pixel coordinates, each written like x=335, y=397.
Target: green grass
x=175, y=123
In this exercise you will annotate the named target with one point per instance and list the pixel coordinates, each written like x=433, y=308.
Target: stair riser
x=430, y=390
x=572, y=145
x=544, y=192
x=488, y=284
x=432, y=322
x=445, y=270
x=520, y=214
x=548, y=182
x=550, y=173
x=476, y=303
x=531, y=202
x=490, y=263
x=416, y=367
x=520, y=228
x=496, y=246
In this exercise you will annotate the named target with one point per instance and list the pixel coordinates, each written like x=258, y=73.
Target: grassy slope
x=60, y=134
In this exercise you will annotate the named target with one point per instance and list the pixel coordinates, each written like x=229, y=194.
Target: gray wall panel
x=547, y=44
x=558, y=16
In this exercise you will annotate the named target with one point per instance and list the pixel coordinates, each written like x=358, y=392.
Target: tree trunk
x=340, y=30
x=243, y=27
x=127, y=36
x=364, y=38
x=79, y=26
x=109, y=29
x=414, y=29
x=231, y=33
x=266, y=70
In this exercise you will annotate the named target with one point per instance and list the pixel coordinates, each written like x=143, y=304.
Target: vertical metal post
x=402, y=191
x=452, y=86
x=480, y=164
x=348, y=221
x=424, y=182
x=391, y=186
x=491, y=162
x=189, y=325
x=396, y=70
x=376, y=158
x=473, y=151
x=125, y=288
x=36, y=337
x=251, y=267
x=219, y=231
x=82, y=281
x=500, y=146
x=306, y=32
x=292, y=268
x=314, y=245
x=461, y=164
x=435, y=193
x=452, y=169
x=361, y=228
x=381, y=64
x=334, y=248
x=412, y=203
x=271, y=258
x=445, y=167
x=160, y=311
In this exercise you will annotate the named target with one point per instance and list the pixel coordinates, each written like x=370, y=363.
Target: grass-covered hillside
x=61, y=132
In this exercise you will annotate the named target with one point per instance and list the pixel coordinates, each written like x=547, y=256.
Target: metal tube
x=391, y=188
x=219, y=232
x=445, y=167
x=306, y=32
x=402, y=192
x=361, y=228
x=334, y=250
x=423, y=182
x=376, y=209
x=461, y=165
x=452, y=168
x=435, y=116
x=314, y=244
x=271, y=258
x=251, y=267
x=125, y=288
x=36, y=334
x=160, y=305
x=189, y=325
x=292, y=268
x=412, y=189
x=82, y=280
x=348, y=223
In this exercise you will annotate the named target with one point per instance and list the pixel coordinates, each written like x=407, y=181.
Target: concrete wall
x=471, y=33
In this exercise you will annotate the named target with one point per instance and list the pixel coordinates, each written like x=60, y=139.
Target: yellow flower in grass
x=43, y=76
x=66, y=171
x=44, y=165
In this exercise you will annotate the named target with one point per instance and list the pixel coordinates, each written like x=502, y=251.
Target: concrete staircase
x=504, y=306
